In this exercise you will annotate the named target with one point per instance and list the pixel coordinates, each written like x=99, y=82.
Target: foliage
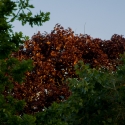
x=26, y=92
x=54, y=56
x=13, y=70
x=97, y=99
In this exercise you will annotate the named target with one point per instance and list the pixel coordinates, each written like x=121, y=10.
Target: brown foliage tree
x=54, y=56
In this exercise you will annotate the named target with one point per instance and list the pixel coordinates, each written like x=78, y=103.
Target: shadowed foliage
x=13, y=70
x=54, y=56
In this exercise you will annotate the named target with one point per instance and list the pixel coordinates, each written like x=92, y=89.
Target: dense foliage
x=98, y=98
x=54, y=56
x=11, y=69
x=92, y=93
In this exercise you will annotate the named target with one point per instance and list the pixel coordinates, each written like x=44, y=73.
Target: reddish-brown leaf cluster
x=54, y=56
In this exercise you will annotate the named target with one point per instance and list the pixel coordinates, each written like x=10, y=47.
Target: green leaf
x=28, y=120
x=31, y=6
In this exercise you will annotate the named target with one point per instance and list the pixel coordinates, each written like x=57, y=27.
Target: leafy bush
x=97, y=99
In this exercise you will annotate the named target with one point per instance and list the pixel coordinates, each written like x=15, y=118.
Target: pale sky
x=101, y=18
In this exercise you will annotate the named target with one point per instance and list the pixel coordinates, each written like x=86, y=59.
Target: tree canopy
x=58, y=78
x=97, y=99
x=11, y=69
x=54, y=55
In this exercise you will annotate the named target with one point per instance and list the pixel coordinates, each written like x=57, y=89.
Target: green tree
x=11, y=69
x=98, y=98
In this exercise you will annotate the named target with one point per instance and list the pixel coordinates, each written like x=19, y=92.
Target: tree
x=54, y=56
x=96, y=93
x=97, y=99
x=11, y=69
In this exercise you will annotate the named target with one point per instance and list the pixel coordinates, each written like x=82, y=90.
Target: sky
x=97, y=18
